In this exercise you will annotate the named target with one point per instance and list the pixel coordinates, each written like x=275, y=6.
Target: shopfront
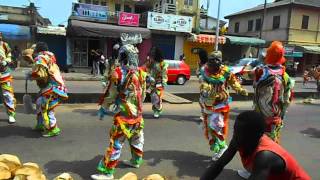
x=168, y=32
x=91, y=33
x=194, y=43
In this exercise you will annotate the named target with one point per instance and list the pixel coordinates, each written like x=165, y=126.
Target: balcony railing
x=166, y=8
x=203, y=12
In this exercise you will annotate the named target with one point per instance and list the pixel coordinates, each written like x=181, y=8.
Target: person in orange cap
x=273, y=89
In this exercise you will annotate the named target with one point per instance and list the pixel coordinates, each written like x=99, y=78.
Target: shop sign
x=90, y=11
x=128, y=19
x=204, y=38
x=134, y=38
x=4, y=17
x=169, y=22
x=290, y=52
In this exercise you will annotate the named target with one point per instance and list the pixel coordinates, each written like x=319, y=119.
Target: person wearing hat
x=215, y=79
x=46, y=73
x=9, y=100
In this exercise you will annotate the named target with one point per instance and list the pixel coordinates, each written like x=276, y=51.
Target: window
x=305, y=22
x=117, y=7
x=276, y=22
x=103, y=3
x=250, y=25
x=188, y=2
x=96, y=2
x=236, y=27
x=127, y=8
x=258, y=24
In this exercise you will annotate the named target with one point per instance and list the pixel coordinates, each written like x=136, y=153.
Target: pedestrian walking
x=128, y=124
x=46, y=73
x=16, y=53
x=95, y=62
x=157, y=73
x=6, y=79
x=102, y=62
x=261, y=156
x=215, y=79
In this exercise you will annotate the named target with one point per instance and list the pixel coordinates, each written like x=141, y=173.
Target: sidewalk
x=19, y=74
x=84, y=88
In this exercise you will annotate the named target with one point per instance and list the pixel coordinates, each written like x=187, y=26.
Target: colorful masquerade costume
x=158, y=78
x=129, y=94
x=52, y=91
x=273, y=89
x=272, y=95
x=9, y=100
x=215, y=99
x=107, y=100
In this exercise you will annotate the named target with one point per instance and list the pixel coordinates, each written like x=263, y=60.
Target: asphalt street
x=174, y=144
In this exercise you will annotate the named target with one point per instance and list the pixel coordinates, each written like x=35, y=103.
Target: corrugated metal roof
x=52, y=30
x=312, y=3
x=245, y=40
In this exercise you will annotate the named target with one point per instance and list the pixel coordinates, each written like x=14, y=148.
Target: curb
x=66, y=78
x=194, y=97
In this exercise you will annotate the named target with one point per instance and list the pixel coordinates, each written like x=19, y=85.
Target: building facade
x=19, y=25
x=294, y=22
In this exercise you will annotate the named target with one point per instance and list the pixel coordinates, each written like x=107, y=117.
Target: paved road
x=95, y=87
x=174, y=144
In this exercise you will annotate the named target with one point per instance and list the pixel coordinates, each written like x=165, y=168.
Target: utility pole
x=217, y=27
x=207, y=15
x=263, y=18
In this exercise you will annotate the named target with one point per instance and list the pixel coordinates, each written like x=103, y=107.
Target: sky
x=58, y=11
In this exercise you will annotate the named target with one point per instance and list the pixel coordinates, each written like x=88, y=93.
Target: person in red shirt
x=260, y=155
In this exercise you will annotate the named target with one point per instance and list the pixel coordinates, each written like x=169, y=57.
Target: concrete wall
x=268, y=33
x=178, y=47
x=310, y=36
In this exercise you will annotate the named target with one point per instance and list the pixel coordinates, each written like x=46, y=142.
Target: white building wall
x=178, y=47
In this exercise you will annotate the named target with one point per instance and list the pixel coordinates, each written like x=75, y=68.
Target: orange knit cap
x=275, y=54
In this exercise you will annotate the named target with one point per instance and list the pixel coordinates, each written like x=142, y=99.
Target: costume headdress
x=275, y=54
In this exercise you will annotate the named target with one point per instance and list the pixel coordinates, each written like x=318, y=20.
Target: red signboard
x=128, y=19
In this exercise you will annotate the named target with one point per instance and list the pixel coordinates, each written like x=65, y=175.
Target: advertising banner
x=169, y=22
x=128, y=19
x=90, y=11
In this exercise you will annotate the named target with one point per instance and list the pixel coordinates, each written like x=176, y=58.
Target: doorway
x=93, y=44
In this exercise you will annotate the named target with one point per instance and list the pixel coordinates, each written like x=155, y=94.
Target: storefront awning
x=92, y=29
x=205, y=38
x=310, y=49
x=249, y=41
x=61, y=31
x=15, y=32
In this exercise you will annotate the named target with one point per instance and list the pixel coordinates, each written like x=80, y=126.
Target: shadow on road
x=91, y=112
x=14, y=130
x=312, y=132
x=83, y=168
x=188, y=163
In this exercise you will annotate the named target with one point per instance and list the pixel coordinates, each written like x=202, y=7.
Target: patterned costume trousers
x=8, y=97
x=117, y=139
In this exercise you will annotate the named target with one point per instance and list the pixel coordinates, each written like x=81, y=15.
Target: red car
x=178, y=72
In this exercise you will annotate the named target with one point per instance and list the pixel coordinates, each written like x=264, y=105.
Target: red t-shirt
x=293, y=170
